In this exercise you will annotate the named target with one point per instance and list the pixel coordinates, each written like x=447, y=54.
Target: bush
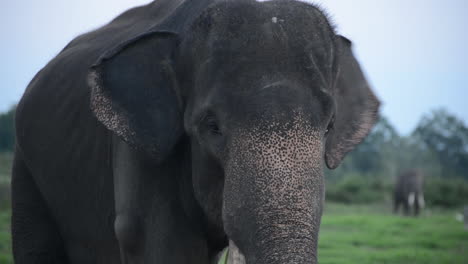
x=446, y=192
x=357, y=189
x=5, y=200
x=6, y=159
x=7, y=130
x=440, y=192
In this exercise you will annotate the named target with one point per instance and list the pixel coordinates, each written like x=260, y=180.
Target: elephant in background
x=182, y=127
x=409, y=192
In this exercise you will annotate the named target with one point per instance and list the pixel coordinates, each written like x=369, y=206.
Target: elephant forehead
x=276, y=35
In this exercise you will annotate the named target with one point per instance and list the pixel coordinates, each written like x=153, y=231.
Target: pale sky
x=414, y=52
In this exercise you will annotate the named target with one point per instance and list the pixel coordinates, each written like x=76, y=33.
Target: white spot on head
x=274, y=19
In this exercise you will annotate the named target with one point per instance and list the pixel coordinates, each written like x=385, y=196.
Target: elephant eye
x=330, y=125
x=210, y=124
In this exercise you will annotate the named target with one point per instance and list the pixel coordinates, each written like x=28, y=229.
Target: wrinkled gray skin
x=183, y=125
x=409, y=192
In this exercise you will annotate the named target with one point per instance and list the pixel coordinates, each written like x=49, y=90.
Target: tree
x=372, y=155
x=447, y=137
x=375, y=155
x=7, y=130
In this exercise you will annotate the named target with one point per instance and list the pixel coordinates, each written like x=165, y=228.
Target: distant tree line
x=7, y=130
x=438, y=145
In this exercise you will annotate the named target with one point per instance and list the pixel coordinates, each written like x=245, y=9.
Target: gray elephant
x=409, y=192
x=181, y=126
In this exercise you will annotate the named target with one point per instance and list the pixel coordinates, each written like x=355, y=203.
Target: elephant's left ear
x=133, y=93
x=356, y=107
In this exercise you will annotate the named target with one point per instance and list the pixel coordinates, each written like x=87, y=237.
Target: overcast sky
x=414, y=52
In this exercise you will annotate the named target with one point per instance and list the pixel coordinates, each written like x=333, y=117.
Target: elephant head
x=266, y=93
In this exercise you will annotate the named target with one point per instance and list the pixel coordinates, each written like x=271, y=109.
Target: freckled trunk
x=284, y=229
x=273, y=197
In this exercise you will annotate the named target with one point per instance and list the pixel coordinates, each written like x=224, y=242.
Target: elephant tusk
x=223, y=256
x=235, y=256
x=230, y=255
x=411, y=198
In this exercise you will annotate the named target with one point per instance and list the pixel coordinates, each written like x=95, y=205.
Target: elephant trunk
x=273, y=196
x=290, y=238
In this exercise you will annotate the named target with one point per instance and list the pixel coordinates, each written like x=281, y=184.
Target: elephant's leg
x=406, y=206
x=416, y=208
x=419, y=204
x=150, y=225
x=128, y=224
x=396, y=205
x=36, y=238
x=412, y=202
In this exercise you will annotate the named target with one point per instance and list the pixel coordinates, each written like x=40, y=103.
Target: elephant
x=182, y=127
x=409, y=192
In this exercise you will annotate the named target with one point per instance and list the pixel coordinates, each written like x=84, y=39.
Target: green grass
x=5, y=241
x=370, y=235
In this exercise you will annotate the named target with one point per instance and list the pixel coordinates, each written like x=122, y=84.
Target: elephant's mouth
x=230, y=255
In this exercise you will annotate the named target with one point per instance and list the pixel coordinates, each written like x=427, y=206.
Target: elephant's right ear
x=133, y=93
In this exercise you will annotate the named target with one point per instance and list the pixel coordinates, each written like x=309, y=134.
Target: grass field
x=365, y=235
x=370, y=234
x=5, y=244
